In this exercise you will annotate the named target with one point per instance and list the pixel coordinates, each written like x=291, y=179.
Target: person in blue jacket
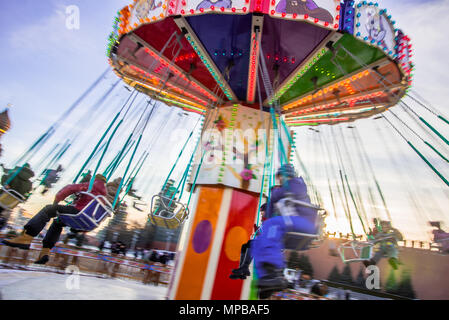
x=268, y=246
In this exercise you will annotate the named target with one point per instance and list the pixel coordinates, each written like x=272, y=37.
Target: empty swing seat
x=167, y=212
x=356, y=251
x=441, y=242
x=91, y=216
x=302, y=241
x=9, y=199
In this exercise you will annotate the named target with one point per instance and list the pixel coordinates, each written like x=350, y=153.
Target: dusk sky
x=46, y=67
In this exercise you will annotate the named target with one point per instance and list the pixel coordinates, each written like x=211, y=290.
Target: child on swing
x=40, y=220
x=386, y=237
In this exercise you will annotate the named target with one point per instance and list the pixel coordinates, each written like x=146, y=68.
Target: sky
x=46, y=67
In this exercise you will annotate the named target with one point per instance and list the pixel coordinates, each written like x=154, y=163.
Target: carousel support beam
x=320, y=50
x=256, y=36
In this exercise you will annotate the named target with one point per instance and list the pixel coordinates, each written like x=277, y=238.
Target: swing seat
x=302, y=241
x=356, y=251
x=441, y=243
x=9, y=199
x=167, y=213
x=442, y=240
x=90, y=217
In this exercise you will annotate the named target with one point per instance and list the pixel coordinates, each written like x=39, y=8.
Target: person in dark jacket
x=154, y=256
x=101, y=245
x=21, y=179
x=51, y=176
x=440, y=236
x=123, y=248
x=2, y=221
x=115, y=248
x=268, y=245
x=40, y=220
x=319, y=289
x=163, y=259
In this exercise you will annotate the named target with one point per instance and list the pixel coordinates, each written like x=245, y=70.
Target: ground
x=42, y=283
x=38, y=285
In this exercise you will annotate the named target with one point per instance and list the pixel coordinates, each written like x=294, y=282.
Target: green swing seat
x=356, y=251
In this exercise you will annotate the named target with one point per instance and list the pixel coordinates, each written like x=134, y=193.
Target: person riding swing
x=36, y=224
x=268, y=246
x=386, y=238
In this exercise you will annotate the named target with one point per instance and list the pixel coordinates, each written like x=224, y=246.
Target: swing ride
x=252, y=71
x=299, y=63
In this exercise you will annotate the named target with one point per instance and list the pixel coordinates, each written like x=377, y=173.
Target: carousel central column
x=223, y=217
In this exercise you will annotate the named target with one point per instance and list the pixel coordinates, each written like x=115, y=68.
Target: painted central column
x=222, y=219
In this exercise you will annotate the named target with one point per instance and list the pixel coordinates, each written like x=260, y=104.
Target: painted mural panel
x=187, y=7
x=233, y=148
x=374, y=26
x=324, y=11
x=147, y=11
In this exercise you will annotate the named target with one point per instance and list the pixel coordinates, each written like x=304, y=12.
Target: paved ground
x=40, y=284
x=34, y=285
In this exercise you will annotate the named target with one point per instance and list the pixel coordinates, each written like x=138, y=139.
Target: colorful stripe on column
x=239, y=228
x=198, y=251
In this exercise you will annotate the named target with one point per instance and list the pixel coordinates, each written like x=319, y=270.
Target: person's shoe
x=22, y=242
x=273, y=280
x=265, y=294
x=244, y=271
x=43, y=256
x=235, y=276
x=240, y=273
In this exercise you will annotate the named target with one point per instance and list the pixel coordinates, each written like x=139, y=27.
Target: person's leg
x=33, y=227
x=49, y=241
x=53, y=234
x=378, y=255
x=269, y=244
x=36, y=224
x=267, y=247
x=247, y=257
x=245, y=260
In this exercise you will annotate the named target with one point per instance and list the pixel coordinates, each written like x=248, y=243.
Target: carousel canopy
x=321, y=61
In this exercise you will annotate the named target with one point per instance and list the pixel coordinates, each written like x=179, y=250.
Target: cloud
x=425, y=22
x=49, y=36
